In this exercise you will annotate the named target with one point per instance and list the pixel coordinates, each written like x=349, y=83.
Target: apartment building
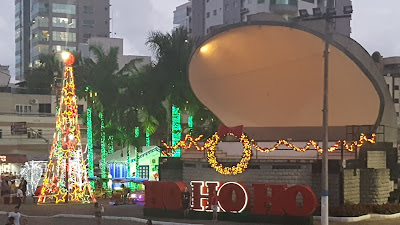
x=198, y=16
x=28, y=121
x=46, y=26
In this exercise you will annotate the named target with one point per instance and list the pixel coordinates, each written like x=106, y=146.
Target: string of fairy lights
x=66, y=178
x=211, y=143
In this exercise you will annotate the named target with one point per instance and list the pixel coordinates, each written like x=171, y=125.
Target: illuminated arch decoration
x=212, y=142
x=66, y=179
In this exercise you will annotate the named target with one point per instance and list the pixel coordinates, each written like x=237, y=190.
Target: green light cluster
x=147, y=139
x=89, y=132
x=103, y=147
x=190, y=124
x=176, y=129
x=110, y=144
x=128, y=156
x=137, y=133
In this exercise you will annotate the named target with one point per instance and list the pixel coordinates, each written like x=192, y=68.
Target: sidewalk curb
x=360, y=218
x=139, y=220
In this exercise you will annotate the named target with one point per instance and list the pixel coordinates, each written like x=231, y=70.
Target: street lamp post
x=328, y=16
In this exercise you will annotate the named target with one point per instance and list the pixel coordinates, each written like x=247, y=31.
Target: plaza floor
x=41, y=215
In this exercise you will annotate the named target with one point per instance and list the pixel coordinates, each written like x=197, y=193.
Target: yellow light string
x=212, y=142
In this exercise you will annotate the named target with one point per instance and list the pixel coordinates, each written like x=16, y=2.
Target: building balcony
x=284, y=7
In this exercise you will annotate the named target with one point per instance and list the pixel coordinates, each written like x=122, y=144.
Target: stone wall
x=376, y=159
x=333, y=188
x=375, y=186
x=259, y=171
x=351, y=186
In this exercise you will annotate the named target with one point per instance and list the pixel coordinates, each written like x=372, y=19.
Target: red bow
x=224, y=130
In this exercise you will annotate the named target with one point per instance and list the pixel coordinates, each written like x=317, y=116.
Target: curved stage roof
x=270, y=75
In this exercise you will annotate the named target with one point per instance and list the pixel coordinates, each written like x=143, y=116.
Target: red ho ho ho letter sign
x=232, y=197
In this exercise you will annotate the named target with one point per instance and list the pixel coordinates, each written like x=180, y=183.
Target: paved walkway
x=43, y=215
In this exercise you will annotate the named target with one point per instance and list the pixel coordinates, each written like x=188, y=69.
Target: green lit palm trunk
x=103, y=150
x=176, y=128
x=89, y=132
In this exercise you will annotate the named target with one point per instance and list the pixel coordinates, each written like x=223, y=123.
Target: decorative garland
x=212, y=142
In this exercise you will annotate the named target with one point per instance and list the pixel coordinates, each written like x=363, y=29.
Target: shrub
x=386, y=208
x=352, y=210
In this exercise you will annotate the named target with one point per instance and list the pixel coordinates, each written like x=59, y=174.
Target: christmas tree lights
x=66, y=179
x=32, y=172
x=176, y=129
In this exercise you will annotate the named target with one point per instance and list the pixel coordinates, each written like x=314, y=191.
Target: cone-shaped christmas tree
x=66, y=179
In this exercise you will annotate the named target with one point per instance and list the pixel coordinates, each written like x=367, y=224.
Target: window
x=396, y=87
x=17, y=7
x=44, y=108
x=17, y=59
x=35, y=133
x=23, y=108
x=88, y=9
x=86, y=37
x=17, y=33
x=398, y=114
x=64, y=8
x=40, y=21
x=39, y=49
x=88, y=23
x=396, y=100
x=59, y=48
x=44, y=7
x=144, y=172
x=208, y=14
x=261, y=1
x=215, y=12
x=64, y=36
x=1, y=133
x=64, y=22
x=310, y=1
x=18, y=46
x=80, y=109
x=17, y=21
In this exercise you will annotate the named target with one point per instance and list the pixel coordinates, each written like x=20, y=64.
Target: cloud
x=375, y=26
x=134, y=20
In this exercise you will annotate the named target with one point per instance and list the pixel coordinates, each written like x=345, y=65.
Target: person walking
x=10, y=221
x=99, y=210
x=186, y=202
x=16, y=214
x=20, y=196
x=5, y=191
x=23, y=186
x=214, y=206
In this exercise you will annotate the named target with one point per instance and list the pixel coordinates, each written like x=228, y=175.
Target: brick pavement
x=122, y=211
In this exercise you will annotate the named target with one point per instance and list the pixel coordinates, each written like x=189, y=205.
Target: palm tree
x=172, y=51
x=42, y=75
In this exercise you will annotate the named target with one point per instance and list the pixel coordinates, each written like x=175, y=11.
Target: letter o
x=225, y=193
x=309, y=201
x=172, y=195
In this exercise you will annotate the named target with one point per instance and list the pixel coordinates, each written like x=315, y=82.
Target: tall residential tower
x=46, y=26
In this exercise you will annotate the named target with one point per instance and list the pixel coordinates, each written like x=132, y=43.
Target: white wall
x=213, y=20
